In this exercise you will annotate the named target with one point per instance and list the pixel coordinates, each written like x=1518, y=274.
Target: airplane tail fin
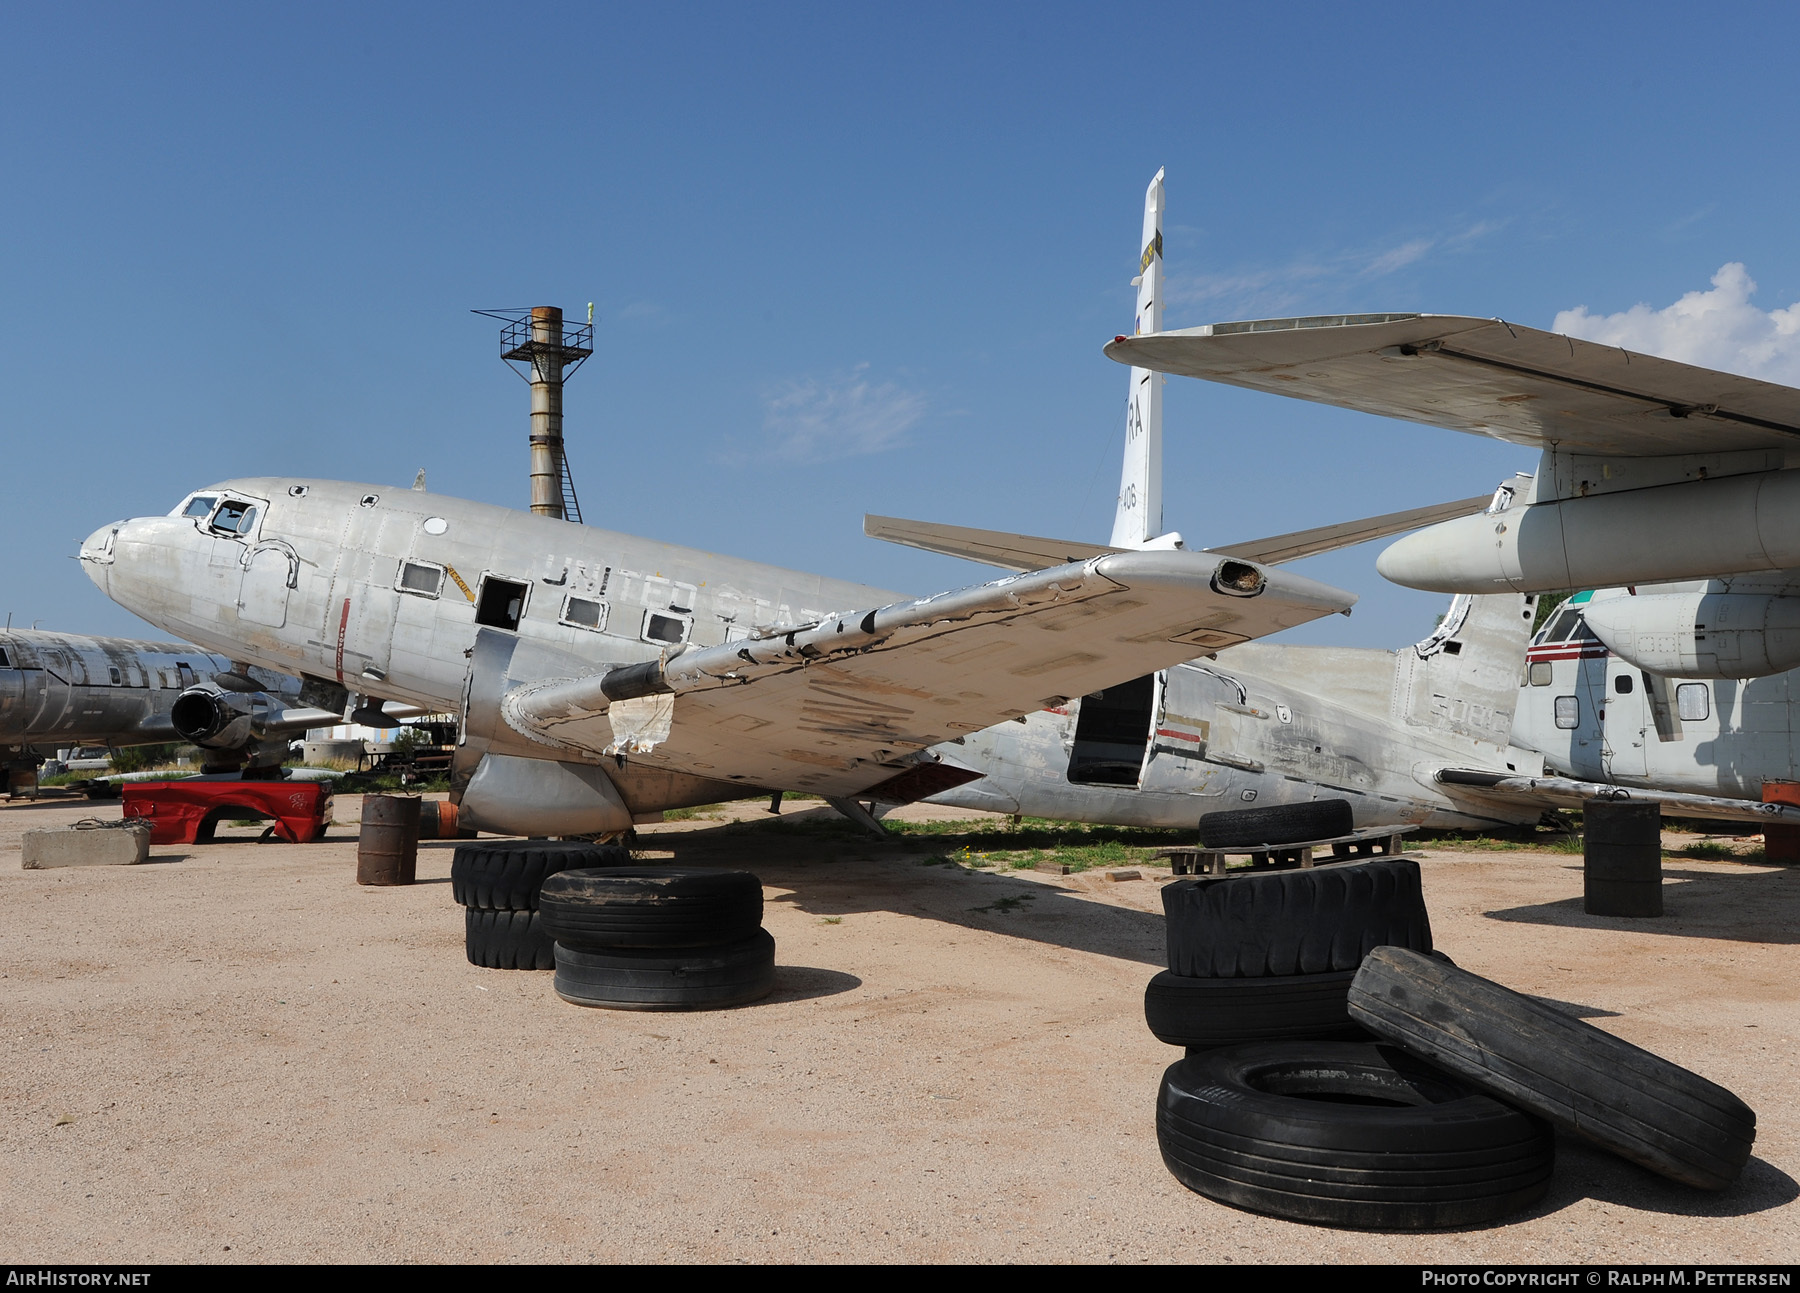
x=1464, y=678
x=1140, y=515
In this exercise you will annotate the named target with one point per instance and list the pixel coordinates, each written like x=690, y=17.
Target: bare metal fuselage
x=66, y=689
x=1262, y=724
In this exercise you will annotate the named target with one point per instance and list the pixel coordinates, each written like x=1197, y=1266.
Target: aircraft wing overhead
x=841, y=707
x=1565, y=792
x=1486, y=377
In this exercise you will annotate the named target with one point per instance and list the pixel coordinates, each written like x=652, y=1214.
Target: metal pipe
x=547, y=411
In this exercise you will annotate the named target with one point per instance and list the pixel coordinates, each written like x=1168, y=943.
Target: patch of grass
x=688, y=814
x=831, y=920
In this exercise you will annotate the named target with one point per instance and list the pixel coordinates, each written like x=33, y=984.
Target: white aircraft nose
x=97, y=552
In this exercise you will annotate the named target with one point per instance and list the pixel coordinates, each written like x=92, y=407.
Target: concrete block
x=124, y=843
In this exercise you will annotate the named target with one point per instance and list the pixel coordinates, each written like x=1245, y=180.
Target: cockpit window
x=235, y=517
x=200, y=505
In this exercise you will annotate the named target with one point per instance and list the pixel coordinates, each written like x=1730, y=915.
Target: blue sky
x=843, y=258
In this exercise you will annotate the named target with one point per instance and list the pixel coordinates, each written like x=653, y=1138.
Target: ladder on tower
x=571, y=504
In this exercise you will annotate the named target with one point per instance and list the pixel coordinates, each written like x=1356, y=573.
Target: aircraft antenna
x=546, y=354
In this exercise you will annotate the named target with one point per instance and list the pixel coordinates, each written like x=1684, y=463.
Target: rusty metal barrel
x=1621, y=858
x=387, y=850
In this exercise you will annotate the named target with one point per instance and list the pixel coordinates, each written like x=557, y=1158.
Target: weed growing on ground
x=1011, y=903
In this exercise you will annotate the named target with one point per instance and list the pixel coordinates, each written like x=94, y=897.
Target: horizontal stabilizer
x=1564, y=792
x=1346, y=534
x=1009, y=551
x=1486, y=377
x=1024, y=552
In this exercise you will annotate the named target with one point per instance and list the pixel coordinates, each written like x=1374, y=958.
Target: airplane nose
x=97, y=553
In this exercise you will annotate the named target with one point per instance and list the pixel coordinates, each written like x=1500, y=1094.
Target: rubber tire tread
x=1462, y=1160
x=1205, y=1014
x=1280, y=923
x=506, y=875
x=707, y=978
x=507, y=940
x=611, y=908
x=1583, y=1080
x=1319, y=819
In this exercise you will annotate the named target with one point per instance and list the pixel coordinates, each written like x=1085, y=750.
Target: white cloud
x=1400, y=257
x=1714, y=329
x=839, y=417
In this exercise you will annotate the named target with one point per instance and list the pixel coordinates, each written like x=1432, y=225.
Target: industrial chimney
x=549, y=355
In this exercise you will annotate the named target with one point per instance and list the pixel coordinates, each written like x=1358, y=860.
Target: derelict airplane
x=603, y=678
x=64, y=689
x=1257, y=723
x=1650, y=470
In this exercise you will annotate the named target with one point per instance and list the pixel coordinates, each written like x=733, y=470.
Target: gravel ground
x=237, y=1054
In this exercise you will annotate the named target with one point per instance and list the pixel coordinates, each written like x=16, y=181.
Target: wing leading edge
x=840, y=706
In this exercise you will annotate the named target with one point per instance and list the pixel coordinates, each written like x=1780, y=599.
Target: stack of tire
x=658, y=938
x=498, y=882
x=1445, y=1119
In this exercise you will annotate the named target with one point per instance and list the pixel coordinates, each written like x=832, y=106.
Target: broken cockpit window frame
x=420, y=578
x=235, y=517
x=583, y=613
x=197, y=507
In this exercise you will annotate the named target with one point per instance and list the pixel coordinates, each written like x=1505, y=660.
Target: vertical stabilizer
x=1139, y=518
x=1464, y=678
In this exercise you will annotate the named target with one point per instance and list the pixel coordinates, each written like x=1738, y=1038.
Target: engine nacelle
x=215, y=718
x=1700, y=634
x=514, y=784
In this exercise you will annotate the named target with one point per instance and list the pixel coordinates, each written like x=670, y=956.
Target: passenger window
x=502, y=603
x=117, y=681
x=1542, y=673
x=1622, y=684
x=664, y=628
x=1568, y=712
x=1693, y=700
x=584, y=613
x=421, y=579
x=201, y=505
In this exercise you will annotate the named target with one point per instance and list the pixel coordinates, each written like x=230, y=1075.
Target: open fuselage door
x=1112, y=733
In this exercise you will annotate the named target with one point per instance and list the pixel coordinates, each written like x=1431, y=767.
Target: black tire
x=651, y=907
x=1347, y=1134
x=701, y=978
x=1205, y=1014
x=507, y=940
x=1585, y=1081
x=1277, y=923
x=1277, y=824
x=505, y=875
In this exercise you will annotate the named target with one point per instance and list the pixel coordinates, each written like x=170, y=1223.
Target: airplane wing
x=1029, y=552
x=1564, y=792
x=1486, y=377
x=844, y=706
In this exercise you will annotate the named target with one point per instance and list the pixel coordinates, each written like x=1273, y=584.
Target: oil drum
x=1622, y=858
x=387, y=850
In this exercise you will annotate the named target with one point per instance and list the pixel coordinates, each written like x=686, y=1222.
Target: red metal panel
x=184, y=812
